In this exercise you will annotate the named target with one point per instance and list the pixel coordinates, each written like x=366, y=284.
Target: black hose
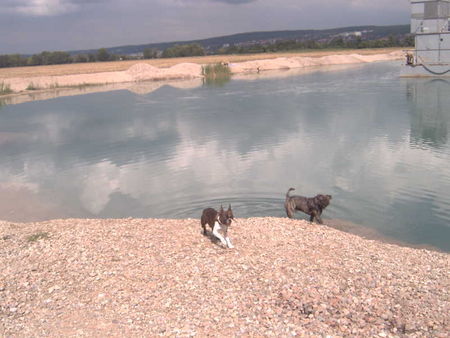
x=433, y=72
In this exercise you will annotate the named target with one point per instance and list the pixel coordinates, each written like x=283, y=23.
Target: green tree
x=337, y=43
x=392, y=41
x=56, y=58
x=103, y=55
x=45, y=57
x=193, y=49
x=35, y=60
x=150, y=53
x=12, y=60
x=79, y=58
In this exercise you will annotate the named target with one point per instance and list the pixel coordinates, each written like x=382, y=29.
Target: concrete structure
x=431, y=27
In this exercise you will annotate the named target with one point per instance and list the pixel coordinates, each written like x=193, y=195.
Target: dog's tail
x=287, y=194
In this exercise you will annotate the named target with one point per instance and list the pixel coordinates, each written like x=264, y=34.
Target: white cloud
x=98, y=23
x=41, y=7
x=102, y=179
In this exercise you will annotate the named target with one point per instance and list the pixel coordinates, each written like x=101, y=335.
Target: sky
x=32, y=26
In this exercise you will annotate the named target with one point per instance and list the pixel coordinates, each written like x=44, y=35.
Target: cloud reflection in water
x=361, y=134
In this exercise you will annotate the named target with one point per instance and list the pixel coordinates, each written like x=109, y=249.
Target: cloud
x=28, y=26
x=44, y=7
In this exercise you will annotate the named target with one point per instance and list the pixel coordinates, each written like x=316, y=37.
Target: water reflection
x=171, y=151
x=430, y=111
x=141, y=88
x=217, y=81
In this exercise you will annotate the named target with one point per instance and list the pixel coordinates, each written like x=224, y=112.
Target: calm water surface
x=379, y=144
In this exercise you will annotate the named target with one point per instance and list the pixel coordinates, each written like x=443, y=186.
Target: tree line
x=335, y=43
x=57, y=58
x=195, y=49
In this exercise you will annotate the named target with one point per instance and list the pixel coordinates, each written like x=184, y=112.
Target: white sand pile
x=144, y=71
x=303, y=62
x=137, y=72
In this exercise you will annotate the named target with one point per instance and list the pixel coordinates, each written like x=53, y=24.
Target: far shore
x=74, y=79
x=114, y=66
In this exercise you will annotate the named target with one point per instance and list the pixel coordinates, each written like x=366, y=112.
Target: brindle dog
x=312, y=206
x=219, y=221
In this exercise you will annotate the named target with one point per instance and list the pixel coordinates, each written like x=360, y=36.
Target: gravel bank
x=138, y=277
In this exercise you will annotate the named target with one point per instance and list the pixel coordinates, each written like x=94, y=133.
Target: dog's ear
x=221, y=208
x=230, y=212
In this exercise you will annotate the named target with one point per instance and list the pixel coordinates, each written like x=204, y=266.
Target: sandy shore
x=32, y=79
x=147, y=277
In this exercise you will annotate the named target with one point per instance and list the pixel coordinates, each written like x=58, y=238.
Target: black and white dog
x=312, y=206
x=219, y=221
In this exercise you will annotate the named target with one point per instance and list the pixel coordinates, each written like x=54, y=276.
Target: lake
x=378, y=143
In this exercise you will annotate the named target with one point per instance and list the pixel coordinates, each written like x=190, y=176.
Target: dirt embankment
x=147, y=277
x=54, y=77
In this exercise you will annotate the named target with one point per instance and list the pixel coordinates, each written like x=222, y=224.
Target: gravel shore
x=147, y=277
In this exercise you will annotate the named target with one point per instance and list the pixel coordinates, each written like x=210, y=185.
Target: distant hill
x=213, y=44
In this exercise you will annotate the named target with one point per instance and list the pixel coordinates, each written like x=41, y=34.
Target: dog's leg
x=227, y=239
x=289, y=213
x=318, y=218
x=229, y=243
x=289, y=209
x=216, y=233
x=204, y=229
x=315, y=214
